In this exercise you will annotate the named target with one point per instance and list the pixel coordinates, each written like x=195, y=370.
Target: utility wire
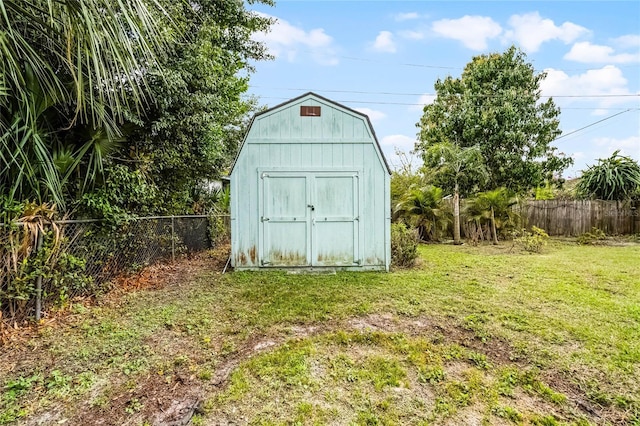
x=488, y=95
x=443, y=67
x=594, y=123
x=422, y=104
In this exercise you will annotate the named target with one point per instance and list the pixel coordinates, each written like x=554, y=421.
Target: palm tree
x=494, y=206
x=423, y=208
x=456, y=164
x=65, y=63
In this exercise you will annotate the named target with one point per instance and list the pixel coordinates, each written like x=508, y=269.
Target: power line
x=443, y=67
x=422, y=104
x=594, y=123
x=364, y=92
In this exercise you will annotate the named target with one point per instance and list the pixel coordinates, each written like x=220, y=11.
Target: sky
x=382, y=58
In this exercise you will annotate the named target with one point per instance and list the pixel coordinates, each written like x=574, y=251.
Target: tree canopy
x=100, y=98
x=191, y=133
x=64, y=65
x=496, y=104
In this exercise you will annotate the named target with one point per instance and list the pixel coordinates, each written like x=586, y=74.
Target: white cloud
x=403, y=142
x=373, y=114
x=472, y=31
x=531, y=30
x=398, y=151
x=384, y=42
x=607, y=80
x=406, y=16
x=422, y=101
x=412, y=34
x=287, y=40
x=627, y=41
x=593, y=53
x=628, y=146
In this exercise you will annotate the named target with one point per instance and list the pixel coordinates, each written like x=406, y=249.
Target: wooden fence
x=575, y=217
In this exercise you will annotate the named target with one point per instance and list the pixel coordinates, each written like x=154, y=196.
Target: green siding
x=340, y=140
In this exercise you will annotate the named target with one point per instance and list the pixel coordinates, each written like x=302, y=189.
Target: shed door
x=285, y=220
x=335, y=219
x=310, y=219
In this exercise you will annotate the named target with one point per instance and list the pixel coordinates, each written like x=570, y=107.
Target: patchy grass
x=475, y=334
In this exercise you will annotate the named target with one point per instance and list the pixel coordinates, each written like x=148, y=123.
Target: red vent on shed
x=310, y=111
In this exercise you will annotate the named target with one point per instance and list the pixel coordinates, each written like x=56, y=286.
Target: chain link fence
x=61, y=260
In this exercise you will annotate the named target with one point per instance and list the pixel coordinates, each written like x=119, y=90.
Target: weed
x=58, y=383
x=595, y=237
x=508, y=413
x=431, y=374
x=383, y=372
x=288, y=364
x=133, y=406
x=507, y=382
x=404, y=245
x=480, y=360
x=476, y=323
x=530, y=382
x=533, y=241
x=544, y=421
x=204, y=375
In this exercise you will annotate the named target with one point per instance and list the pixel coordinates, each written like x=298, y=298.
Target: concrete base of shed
x=314, y=270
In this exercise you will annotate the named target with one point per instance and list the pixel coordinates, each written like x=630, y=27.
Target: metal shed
x=310, y=189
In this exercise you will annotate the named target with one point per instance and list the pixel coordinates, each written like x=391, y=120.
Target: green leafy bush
x=595, y=237
x=533, y=241
x=404, y=245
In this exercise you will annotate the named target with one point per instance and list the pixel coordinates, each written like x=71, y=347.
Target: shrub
x=404, y=245
x=533, y=241
x=595, y=237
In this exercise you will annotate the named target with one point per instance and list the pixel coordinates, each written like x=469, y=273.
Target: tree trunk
x=456, y=216
x=493, y=227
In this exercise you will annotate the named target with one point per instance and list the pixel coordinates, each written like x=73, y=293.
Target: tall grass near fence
x=46, y=263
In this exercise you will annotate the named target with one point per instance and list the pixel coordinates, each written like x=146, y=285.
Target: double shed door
x=309, y=218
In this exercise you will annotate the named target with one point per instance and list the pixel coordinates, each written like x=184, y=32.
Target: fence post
x=40, y=237
x=173, y=239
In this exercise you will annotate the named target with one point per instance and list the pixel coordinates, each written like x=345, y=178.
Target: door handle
x=311, y=206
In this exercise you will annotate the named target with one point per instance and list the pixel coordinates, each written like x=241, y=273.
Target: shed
x=310, y=189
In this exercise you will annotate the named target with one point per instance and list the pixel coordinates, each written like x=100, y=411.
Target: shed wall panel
x=337, y=139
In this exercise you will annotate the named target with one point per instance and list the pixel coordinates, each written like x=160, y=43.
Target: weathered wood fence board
x=575, y=217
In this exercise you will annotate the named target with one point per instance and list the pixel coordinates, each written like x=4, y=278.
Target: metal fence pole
x=173, y=239
x=40, y=238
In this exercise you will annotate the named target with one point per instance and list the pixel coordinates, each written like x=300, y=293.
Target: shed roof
x=323, y=99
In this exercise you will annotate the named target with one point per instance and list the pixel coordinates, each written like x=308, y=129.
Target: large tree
x=101, y=100
x=191, y=132
x=67, y=64
x=496, y=104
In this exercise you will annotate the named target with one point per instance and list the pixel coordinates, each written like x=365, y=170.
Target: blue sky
x=383, y=57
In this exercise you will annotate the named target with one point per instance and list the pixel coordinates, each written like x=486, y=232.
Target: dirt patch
x=160, y=400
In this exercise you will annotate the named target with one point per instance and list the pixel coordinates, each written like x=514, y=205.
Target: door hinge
x=264, y=219
x=358, y=262
x=264, y=262
x=264, y=175
x=356, y=218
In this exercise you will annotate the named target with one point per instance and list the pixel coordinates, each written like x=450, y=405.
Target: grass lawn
x=473, y=335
